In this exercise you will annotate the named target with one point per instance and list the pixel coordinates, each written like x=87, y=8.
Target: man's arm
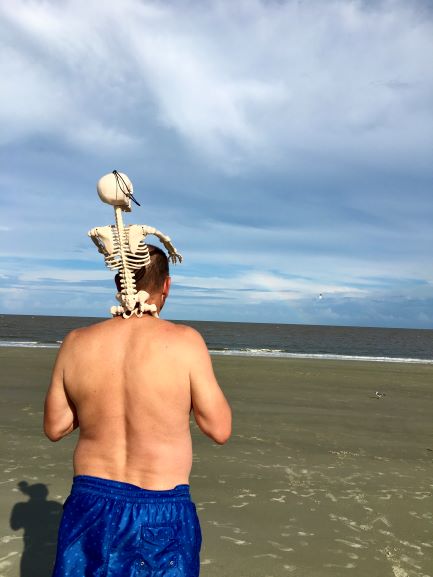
x=211, y=409
x=60, y=416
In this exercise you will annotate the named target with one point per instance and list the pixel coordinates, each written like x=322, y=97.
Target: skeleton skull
x=115, y=189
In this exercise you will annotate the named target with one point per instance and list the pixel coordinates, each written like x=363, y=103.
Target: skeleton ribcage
x=134, y=260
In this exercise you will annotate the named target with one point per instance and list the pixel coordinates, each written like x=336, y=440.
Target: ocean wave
x=277, y=353
x=253, y=352
x=29, y=344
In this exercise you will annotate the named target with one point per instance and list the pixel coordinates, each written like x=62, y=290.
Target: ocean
x=251, y=339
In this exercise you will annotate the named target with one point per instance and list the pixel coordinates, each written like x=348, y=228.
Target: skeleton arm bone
x=97, y=242
x=102, y=236
x=166, y=241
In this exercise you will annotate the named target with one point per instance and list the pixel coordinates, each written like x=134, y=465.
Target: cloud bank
x=285, y=146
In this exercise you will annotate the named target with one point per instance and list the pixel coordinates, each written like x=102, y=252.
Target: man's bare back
x=130, y=386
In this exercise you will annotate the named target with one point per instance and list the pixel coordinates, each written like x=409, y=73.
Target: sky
x=285, y=146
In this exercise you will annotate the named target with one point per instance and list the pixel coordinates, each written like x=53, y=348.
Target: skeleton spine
x=127, y=279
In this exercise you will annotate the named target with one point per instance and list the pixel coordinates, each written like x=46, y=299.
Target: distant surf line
x=30, y=344
x=251, y=352
x=319, y=356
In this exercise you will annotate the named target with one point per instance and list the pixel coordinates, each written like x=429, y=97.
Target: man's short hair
x=150, y=278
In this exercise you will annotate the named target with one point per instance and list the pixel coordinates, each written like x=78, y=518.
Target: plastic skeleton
x=123, y=246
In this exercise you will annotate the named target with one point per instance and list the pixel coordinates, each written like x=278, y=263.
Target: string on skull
x=120, y=182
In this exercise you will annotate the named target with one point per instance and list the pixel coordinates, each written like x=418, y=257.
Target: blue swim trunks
x=114, y=529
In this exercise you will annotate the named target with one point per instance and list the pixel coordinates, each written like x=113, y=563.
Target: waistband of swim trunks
x=126, y=491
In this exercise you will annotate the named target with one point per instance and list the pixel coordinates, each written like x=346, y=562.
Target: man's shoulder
x=178, y=330
x=82, y=333
x=183, y=333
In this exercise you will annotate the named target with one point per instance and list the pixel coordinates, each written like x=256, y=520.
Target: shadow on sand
x=40, y=520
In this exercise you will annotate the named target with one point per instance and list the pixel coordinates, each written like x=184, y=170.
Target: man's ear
x=166, y=287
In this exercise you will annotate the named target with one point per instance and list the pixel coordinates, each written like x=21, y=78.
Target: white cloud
x=256, y=286
x=240, y=81
x=285, y=146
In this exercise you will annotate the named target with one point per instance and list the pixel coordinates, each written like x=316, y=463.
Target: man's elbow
x=218, y=432
x=223, y=433
x=53, y=436
x=222, y=437
x=217, y=427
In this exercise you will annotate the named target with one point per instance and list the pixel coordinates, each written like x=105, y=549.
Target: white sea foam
x=281, y=354
x=253, y=352
x=29, y=344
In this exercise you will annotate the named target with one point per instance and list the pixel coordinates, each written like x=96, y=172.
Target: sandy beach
x=320, y=479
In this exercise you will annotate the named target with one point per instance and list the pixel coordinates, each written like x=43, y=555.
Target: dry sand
x=320, y=478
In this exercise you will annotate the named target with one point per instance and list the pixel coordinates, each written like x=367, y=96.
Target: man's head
x=153, y=278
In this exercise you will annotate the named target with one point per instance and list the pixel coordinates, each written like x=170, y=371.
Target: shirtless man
x=130, y=385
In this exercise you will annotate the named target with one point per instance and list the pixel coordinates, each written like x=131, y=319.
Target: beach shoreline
x=254, y=353
x=321, y=476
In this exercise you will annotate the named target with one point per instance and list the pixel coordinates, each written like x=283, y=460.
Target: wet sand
x=320, y=478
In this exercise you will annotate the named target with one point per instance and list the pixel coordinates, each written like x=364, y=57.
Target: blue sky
x=286, y=147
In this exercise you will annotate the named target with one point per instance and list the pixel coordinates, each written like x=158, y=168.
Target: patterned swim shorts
x=114, y=529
